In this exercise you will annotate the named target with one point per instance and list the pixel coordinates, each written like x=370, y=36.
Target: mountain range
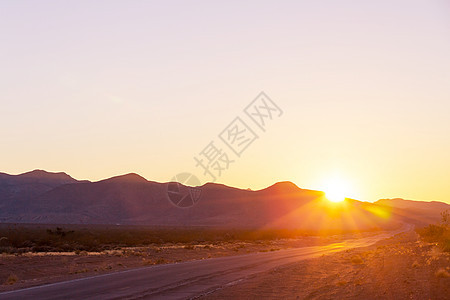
x=57, y=198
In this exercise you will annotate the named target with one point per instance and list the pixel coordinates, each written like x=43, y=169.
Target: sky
x=103, y=88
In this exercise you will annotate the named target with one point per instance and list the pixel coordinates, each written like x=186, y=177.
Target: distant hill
x=417, y=212
x=21, y=190
x=43, y=197
x=37, y=177
x=402, y=203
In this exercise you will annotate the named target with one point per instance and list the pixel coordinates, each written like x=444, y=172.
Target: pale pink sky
x=101, y=88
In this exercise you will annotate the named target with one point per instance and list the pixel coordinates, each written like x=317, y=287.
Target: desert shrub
x=4, y=241
x=442, y=273
x=445, y=244
x=8, y=250
x=12, y=279
x=439, y=234
x=357, y=260
x=432, y=233
x=160, y=261
x=445, y=217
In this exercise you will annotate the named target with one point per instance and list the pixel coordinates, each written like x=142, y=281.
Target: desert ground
x=402, y=267
x=26, y=267
x=410, y=265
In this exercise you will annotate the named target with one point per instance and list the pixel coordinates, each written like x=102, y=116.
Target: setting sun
x=336, y=189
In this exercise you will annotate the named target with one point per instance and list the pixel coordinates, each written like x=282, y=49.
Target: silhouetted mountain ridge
x=131, y=177
x=44, y=197
x=37, y=176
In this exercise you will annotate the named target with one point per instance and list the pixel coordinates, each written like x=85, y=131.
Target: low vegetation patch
x=357, y=260
x=12, y=279
x=442, y=273
x=81, y=239
x=438, y=233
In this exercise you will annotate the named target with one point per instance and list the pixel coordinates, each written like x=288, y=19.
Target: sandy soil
x=401, y=267
x=30, y=269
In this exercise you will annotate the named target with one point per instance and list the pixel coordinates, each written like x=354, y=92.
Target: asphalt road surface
x=182, y=280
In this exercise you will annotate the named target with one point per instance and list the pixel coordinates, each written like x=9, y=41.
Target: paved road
x=182, y=280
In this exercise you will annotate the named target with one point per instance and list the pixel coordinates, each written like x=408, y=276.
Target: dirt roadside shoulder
x=401, y=267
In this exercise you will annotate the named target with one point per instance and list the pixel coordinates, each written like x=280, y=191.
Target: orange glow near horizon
x=336, y=189
x=328, y=217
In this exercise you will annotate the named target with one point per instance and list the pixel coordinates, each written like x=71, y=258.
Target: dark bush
x=43, y=238
x=439, y=234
